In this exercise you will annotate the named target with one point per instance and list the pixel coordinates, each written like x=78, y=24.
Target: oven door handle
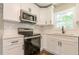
x=38, y=36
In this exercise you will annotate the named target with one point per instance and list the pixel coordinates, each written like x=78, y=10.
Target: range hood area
x=27, y=17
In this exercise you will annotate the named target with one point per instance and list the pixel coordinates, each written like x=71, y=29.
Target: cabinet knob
x=14, y=42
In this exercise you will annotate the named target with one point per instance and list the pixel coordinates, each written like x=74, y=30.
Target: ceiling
x=43, y=5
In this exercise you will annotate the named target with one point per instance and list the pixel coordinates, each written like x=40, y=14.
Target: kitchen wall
x=11, y=28
x=49, y=29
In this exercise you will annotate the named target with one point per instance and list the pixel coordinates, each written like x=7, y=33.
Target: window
x=65, y=18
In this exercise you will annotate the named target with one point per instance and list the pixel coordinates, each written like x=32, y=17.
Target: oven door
x=32, y=45
x=36, y=42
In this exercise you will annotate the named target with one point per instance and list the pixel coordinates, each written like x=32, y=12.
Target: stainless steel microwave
x=27, y=17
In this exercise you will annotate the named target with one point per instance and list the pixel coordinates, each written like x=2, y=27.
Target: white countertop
x=66, y=34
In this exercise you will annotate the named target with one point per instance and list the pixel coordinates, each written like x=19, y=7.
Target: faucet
x=63, y=31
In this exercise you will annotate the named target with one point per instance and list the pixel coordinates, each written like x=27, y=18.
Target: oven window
x=36, y=42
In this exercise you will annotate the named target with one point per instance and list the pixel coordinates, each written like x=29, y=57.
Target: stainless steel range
x=31, y=41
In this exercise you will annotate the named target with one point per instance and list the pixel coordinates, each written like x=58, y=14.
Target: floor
x=44, y=52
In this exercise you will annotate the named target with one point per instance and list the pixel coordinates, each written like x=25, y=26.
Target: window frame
x=62, y=12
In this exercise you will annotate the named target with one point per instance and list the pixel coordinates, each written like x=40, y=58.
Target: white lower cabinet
x=14, y=51
x=69, y=47
x=61, y=45
x=13, y=46
x=43, y=42
x=51, y=45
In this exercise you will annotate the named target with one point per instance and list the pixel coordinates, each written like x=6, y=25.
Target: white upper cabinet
x=25, y=6
x=43, y=16
x=11, y=11
x=29, y=7
x=46, y=16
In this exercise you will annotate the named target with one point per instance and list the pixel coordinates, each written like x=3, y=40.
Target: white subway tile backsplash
x=11, y=28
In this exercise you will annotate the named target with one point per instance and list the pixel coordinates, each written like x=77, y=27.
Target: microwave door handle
x=21, y=14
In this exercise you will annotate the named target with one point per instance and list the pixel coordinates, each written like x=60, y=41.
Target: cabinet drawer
x=10, y=43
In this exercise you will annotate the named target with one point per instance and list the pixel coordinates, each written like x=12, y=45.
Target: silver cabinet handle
x=14, y=42
x=59, y=43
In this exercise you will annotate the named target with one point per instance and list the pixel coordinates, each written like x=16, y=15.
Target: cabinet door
x=13, y=46
x=69, y=47
x=52, y=44
x=31, y=8
x=25, y=6
x=55, y=44
x=11, y=11
x=43, y=16
x=18, y=50
x=43, y=42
